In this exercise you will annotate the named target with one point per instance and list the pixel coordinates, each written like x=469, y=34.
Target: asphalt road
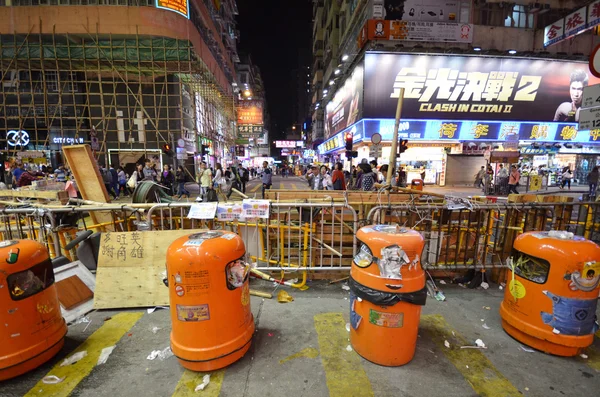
x=301, y=349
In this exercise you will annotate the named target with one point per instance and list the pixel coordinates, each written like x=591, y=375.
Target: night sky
x=275, y=33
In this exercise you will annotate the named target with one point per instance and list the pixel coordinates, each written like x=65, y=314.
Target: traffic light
x=167, y=149
x=351, y=154
x=403, y=146
x=349, y=139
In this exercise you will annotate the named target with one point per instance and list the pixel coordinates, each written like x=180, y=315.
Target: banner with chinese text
x=473, y=88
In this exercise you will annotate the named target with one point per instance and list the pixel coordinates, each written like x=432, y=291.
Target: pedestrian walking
x=266, y=179
x=180, y=178
x=513, y=180
x=60, y=174
x=310, y=176
x=205, y=180
x=115, y=180
x=502, y=180
x=366, y=177
x=337, y=178
x=479, y=177
x=107, y=179
x=244, y=178
x=122, y=180
x=167, y=179
x=567, y=175
x=592, y=180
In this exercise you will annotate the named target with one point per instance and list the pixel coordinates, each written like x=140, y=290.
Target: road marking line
x=294, y=186
x=255, y=188
x=309, y=352
x=481, y=374
x=107, y=335
x=189, y=380
x=343, y=370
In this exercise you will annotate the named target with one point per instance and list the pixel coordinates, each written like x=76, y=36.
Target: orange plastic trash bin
x=552, y=292
x=387, y=290
x=33, y=328
x=212, y=325
x=416, y=184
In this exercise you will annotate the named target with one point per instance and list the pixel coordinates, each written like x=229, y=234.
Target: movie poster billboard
x=344, y=109
x=474, y=88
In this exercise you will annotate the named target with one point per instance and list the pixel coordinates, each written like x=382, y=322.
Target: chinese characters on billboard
x=250, y=112
x=344, y=109
x=178, y=6
x=469, y=88
x=461, y=130
x=576, y=22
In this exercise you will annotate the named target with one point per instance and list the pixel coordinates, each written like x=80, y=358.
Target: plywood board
x=76, y=269
x=89, y=181
x=131, y=269
x=72, y=292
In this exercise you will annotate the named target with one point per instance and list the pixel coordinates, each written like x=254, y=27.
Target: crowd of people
x=362, y=177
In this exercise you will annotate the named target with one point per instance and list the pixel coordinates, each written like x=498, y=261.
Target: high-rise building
x=125, y=76
x=478, y=78
x=253, y=122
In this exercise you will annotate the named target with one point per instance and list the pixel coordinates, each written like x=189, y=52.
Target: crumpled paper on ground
x=74, y=358
x=205, y=382
x=160, y=354
x=104, y=354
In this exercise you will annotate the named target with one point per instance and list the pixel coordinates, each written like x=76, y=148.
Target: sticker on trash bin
x=387, y=320
x=179, y=290
x=517, y=289
x=193, y=313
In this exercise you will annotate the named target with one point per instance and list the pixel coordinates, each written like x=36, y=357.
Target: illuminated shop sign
x=460, y=130
x=16, y=138
x=179, y=6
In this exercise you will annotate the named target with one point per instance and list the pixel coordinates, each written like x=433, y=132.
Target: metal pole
x=392, y=163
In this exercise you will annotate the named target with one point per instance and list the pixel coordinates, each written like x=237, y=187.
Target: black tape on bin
x=382, y=298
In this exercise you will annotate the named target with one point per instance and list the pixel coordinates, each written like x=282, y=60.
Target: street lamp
x=247, y=93
x=337, y=71
x=345, y=57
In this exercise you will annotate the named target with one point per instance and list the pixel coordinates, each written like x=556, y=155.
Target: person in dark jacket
x=115, y=180
x=167, y=179
x=593, y=181
x=180, y=178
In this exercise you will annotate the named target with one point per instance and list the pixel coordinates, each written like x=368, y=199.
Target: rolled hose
x=146, y=192
x=382, y=298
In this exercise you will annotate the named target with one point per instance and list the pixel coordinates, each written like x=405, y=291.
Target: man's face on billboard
x=576, y=92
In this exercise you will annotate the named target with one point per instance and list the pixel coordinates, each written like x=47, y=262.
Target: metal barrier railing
x=296, y=237
x=482, y=236
x=302, y=237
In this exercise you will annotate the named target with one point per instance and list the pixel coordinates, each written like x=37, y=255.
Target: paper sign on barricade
x=256, y=208
x=203, y=211
x=229, y=212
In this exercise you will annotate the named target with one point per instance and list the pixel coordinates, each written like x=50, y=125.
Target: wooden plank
x=82, y=272
x=131, y=267
x=56, y=195
x=72, y=292
x=89, y=181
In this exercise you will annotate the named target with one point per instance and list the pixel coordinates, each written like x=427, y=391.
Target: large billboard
x=250, y=111
x=417, y=10
x=474, y=88
x=344, y=109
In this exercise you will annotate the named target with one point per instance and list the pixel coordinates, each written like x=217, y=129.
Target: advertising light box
x=474, y=88
x=178, y=6
x=463, y=131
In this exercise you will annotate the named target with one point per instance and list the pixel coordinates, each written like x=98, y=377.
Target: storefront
x=503, y=104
